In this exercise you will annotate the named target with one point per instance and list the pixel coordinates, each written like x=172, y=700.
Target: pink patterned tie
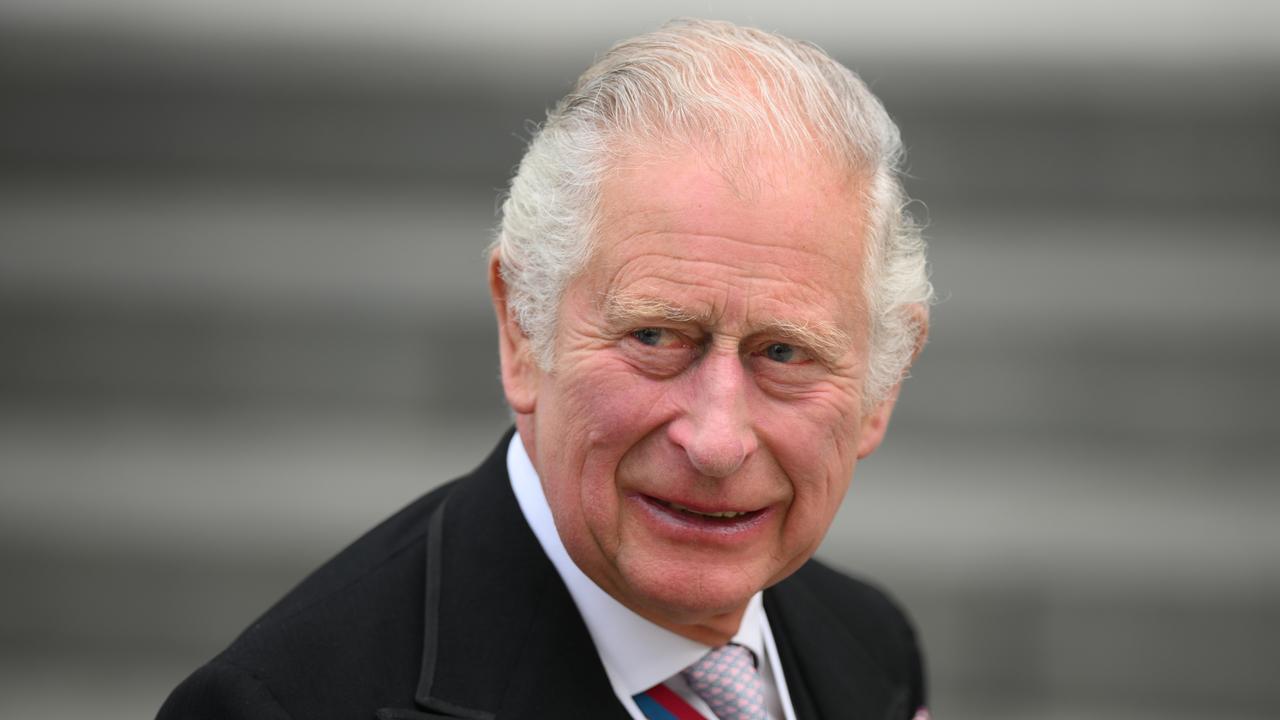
x=727, y=680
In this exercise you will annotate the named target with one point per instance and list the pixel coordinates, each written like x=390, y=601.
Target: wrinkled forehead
x=749, y=169
x=762, y=191
x=793, y=221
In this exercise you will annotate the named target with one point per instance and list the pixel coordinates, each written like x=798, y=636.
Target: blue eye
x=648, y=336
x=780, y=352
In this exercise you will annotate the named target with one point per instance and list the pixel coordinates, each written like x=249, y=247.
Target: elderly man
x=707, y=294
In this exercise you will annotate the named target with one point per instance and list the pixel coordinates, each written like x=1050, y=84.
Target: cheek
x=814, y=443
x=609, y=402
x=600, y=412
x=820, y=429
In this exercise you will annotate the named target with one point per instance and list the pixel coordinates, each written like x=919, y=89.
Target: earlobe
x=519, y=371
x=919, y=321
x=875, y=423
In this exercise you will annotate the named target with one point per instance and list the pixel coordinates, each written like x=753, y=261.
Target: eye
x=781, y=352
x=659, y=352
x=648, y=336
x=661, y=338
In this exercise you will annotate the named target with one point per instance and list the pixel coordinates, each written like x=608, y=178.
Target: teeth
x=728, y=514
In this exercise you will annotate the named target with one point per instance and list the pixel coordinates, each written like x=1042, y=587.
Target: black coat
x=450, y=609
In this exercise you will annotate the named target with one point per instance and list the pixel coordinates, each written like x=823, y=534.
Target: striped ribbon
x=662, y=703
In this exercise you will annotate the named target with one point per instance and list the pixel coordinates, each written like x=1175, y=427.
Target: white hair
x=734, y=88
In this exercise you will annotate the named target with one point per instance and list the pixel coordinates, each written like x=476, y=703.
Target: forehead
x=778, y=237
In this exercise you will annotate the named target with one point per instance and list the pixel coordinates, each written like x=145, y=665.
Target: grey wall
x=243, y=317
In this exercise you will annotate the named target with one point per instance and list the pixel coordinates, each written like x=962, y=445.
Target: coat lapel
x=503, y=638
x=829, y=673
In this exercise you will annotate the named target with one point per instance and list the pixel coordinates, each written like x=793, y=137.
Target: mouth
x=721, y=515
x=703, y=516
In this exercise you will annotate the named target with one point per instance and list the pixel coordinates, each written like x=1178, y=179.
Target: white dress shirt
x=636, y=653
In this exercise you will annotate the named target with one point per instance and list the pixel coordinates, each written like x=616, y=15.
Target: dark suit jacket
x=449, y=609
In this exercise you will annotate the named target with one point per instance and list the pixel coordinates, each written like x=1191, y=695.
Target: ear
x=876, y=422
x=520, y=374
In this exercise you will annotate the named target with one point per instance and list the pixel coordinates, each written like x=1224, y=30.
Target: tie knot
x=727, y=680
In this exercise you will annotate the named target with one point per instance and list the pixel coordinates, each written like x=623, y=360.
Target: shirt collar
x=636, y=653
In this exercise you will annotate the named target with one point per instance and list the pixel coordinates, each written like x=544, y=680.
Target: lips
x=726, y=515
x=718, y=528
x=707, y=514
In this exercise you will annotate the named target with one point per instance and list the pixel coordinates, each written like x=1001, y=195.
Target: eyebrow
x=823, y=338
x=621, y=309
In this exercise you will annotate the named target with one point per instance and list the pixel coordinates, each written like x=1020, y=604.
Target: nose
x=715, y=429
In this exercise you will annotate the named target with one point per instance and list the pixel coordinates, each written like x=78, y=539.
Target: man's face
x=702, y=420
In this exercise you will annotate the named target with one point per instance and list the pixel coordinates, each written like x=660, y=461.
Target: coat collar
x=503, y=639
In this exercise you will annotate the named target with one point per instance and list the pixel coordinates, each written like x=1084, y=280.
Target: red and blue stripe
x=662, y=703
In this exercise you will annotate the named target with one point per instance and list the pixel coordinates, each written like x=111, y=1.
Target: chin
x=689, y=596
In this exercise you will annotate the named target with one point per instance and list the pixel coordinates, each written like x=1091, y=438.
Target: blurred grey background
x=243, y=318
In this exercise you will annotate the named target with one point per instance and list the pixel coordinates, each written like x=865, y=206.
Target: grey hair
x=715, y=82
